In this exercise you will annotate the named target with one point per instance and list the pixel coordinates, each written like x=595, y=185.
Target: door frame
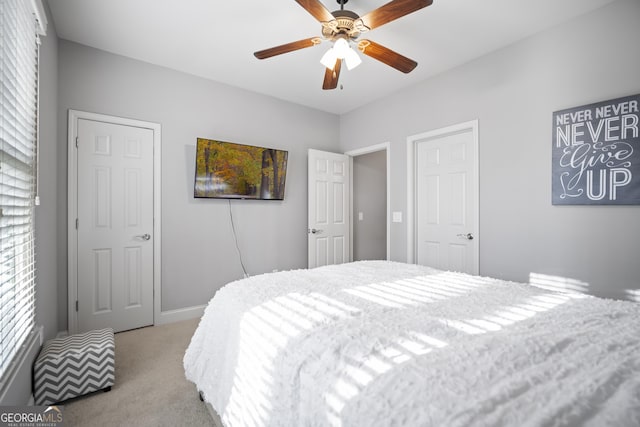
x=385, y=146
x=412, y=142
x=72, y=209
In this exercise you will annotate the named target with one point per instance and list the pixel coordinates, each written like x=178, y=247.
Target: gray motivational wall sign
x=596, y=154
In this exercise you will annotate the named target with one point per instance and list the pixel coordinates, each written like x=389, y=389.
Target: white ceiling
x=216, y=40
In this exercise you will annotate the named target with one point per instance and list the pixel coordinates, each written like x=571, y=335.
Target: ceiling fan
x=342, y=27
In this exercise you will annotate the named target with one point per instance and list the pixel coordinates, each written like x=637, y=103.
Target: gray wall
x=198, y=250
x=370, y=198
x=513, y=92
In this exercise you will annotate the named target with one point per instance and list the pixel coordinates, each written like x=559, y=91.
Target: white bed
x=379, y=343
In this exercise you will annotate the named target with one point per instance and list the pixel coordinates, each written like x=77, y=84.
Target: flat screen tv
x=235, y=171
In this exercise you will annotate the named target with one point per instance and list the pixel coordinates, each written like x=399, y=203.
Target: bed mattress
x=384, y=343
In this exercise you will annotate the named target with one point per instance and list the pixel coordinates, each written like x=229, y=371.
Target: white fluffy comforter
x=387, y=344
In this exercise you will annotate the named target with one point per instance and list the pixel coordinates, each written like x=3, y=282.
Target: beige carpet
x=150, y=387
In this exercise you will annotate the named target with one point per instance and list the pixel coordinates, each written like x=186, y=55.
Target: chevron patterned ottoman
x=74, y=365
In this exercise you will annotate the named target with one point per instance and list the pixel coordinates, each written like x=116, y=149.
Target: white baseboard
x=187, y=313
x=169, y=316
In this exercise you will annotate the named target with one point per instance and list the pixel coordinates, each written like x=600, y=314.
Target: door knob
x=467, y=236
x=144, y=236
x=315, y=231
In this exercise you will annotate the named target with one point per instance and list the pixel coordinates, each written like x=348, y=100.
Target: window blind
x=18, y=140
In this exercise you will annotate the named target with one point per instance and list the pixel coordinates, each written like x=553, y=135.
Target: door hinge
x=76, y=142
x=77, y=223
x=76, y=305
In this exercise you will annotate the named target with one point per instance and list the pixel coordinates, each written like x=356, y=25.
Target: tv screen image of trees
x=229, y=170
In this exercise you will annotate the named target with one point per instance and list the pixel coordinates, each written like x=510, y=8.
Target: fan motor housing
x=346, y=23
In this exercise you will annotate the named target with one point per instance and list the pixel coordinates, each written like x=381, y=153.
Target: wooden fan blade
x=391, y=11
x=289, y=47
x=386, y=55
x=317, y=9
x=331, y=76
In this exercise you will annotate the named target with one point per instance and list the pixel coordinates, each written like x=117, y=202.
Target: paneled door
x=114, y=226
x=446, y=198
x=329, y=208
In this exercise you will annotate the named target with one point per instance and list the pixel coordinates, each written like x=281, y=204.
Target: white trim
x=13, y=381
x=411, y=146
x=180, y=314
x=41, y=16
x=385, y=146
x=72, y=197
x=351, y=209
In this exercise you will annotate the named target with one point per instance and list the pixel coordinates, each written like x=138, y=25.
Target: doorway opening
x=370, y=201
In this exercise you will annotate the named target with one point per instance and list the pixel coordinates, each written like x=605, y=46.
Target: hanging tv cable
x=235, y=238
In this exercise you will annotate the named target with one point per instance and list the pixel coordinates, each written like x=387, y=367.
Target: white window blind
x=18, y=140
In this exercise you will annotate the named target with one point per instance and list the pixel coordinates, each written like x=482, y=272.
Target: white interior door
x=114, y=226
x=446, y=200
x=329, y=208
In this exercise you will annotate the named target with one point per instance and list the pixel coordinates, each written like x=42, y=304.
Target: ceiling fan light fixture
x=329, y=58
x=341, y=50
x=341, y=47
x=352, y=59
